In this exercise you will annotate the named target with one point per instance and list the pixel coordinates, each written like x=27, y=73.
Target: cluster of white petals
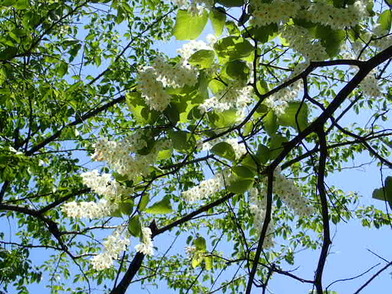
x=236, y=95
x=337, y=18
x=120, y=155
x=175, y=76
x=103, y=184
x=146, y=247
x=278, y=11
x=279, y=101
x=258, y=208
x=89, y=209
x=291, y=194
x=208, y=187
x=239, y=148
x=114, y=245
x=152, y=89
x=320, y=12
x=107, y=150
x=300, y=40
x=153, y=80
x=370, y=86
x=190, y=250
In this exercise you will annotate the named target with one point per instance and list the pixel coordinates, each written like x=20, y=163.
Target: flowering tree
x=224, y=149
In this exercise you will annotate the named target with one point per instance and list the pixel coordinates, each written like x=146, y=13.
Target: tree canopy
x=115, y=156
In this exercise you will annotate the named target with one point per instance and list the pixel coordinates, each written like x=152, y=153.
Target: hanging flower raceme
x=146, y=246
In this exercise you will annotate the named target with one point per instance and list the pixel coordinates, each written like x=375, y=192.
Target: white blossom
x=102, y=208
x=114, y=245
x=146, y=247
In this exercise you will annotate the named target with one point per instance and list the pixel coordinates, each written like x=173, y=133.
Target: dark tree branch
x=324, y=210
x=373, y=277
x=264, y=230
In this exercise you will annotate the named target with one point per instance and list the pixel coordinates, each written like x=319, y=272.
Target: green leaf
x=265, y=33
x=202, y=58
x=172, y=113
x=62, y=69
x=276, y=145
x=295, y=115
x=223, y=119
x=225, y=150
x=250, y=162
x=126, y=207
x=144, y=201
x=231, y=3
x=331, y=39
x=385, y=20
x=243, y=172
x=218, y=19
x=8, y=53
x=189, y=26
x=141, y=112
x=216, y=86
x=182, y=140
x=237, y=70
x=160, y=207
x=232, y=48
x=197, y=260
x=208, y=262
x=263, y=153
x=200, y=244
x=22, y=4
x=270, y=123
x=239, y=185
x=7, y=2
x=135, y=227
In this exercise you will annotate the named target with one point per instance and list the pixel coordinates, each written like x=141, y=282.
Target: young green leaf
x=189, y=26
x=224, y=150
x=200, y=244
x=160, y=207
x=218, y=19
x=202, y=58
x=239, y=185
x=134, y=226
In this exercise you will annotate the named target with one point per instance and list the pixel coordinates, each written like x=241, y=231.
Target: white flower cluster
x=190, y=250
x=337, y=18
x=239, y=148
x=279, y=101
x=370, y=86
x=290, y=194
x=114, y=245
x=275, y=12
x=119, y=155
x=89, y=209
x=152, y=81
x=152, y=89
x=103, y=184
x=257, y=208
x=175, y=76
x=234, y=96
x=105, y=149
x=207, y=188
x=300, y=40
x=146, y=247
x=280, y=11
